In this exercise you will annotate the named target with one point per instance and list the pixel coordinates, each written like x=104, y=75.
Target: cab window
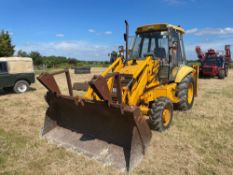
x=176, y=56
x=145, y=46
x=3, y=67
x=163, y=43
x=155, y=43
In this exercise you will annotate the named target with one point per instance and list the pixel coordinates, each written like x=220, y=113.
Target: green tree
x=6, y=47
x=36, y=57
x=22, y=53
x=72, y=61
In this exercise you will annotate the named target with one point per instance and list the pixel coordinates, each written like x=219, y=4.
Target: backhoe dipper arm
x=200, y=54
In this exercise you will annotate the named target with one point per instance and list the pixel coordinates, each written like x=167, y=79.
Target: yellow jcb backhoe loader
x=112, y=122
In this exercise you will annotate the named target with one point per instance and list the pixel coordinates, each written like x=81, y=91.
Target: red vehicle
x=213, y=63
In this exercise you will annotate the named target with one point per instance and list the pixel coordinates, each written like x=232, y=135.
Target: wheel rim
x=166, y=116
x=190, y=93
x=22, y=87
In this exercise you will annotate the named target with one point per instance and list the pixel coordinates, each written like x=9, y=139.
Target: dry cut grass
x=200, y=140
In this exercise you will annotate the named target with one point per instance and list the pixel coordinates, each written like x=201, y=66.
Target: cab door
x=176, y=53
x=4, y=76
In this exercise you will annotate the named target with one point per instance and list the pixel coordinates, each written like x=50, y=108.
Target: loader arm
x=131, y=94
x=116, y=66
x=141, y=78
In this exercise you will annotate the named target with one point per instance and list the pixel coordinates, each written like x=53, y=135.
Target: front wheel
x=221, y=74
x=185, y=92
x=161, y=114
x=21, y=86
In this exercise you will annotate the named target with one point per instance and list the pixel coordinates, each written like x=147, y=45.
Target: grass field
x=200, y=140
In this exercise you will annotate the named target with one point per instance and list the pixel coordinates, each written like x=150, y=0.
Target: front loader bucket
x=110, y=133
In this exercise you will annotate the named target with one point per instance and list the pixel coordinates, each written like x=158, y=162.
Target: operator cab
x=163, y=42
x=214, y=61
x=153, y=43
x=213, y=58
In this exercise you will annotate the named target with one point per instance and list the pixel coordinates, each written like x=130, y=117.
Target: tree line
x=7, y=49
x=51, y=61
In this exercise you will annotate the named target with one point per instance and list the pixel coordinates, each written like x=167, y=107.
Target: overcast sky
x=90, y=29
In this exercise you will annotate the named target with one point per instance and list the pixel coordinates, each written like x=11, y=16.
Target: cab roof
x=8, y=59
x=17, y=65
x=155, y=27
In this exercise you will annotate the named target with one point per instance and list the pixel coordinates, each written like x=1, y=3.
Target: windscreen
x=154, y=43
x=214, y=62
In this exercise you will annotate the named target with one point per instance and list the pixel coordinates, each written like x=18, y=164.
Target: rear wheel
x=226, y=72
x=161, y=114
x=21, y=86
x=221, y=74
x=185, y=92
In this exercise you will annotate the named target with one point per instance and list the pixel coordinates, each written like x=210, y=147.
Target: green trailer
x=16, y=73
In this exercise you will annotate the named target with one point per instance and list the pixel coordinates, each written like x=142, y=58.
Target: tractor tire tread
x=155, y=118
x=181, y=93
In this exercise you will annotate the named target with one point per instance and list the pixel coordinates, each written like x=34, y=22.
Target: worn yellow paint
x=151, y=27
x=196, y=76
x=190, y=92
x=166, y=116
x=183, y=72
x=146, y=86
x=167, y=90
x=144, y=109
